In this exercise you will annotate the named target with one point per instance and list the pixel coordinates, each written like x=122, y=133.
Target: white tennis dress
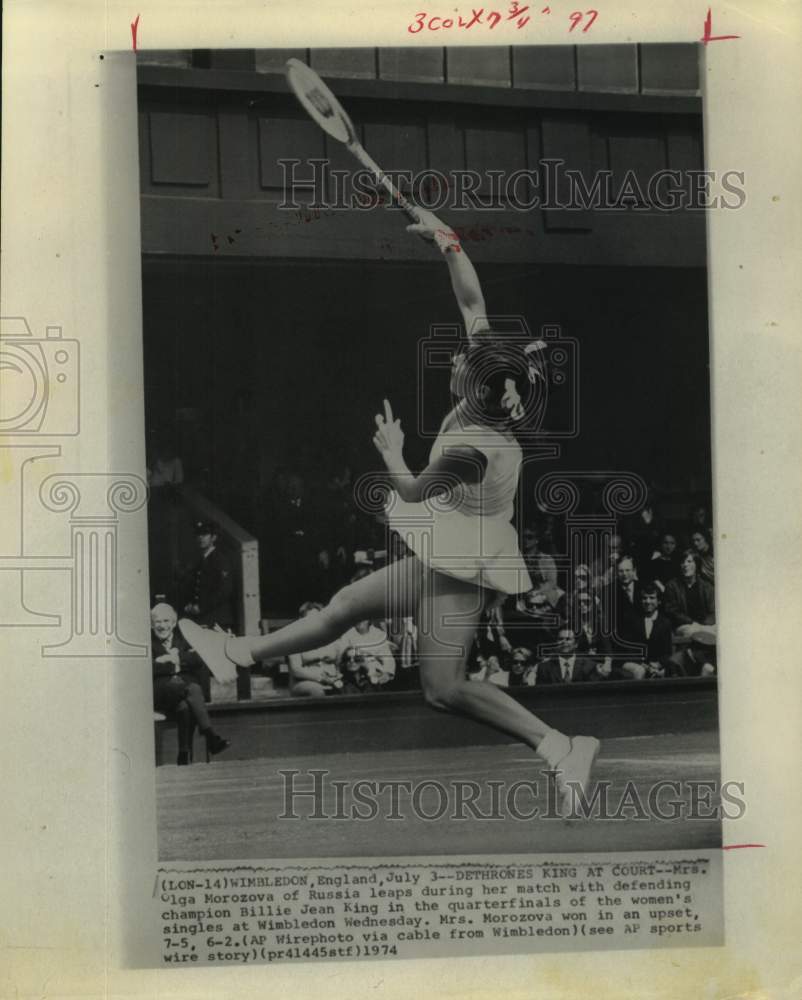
x=467, y=531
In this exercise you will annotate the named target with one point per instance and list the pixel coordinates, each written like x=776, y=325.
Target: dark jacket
x=212, y=589
x=549, y=672
x=683, y=604
x=191, y=666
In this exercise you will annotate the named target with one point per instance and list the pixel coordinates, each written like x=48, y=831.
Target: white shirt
x=648, y=624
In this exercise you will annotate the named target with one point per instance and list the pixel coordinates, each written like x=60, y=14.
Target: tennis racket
x=324, y=108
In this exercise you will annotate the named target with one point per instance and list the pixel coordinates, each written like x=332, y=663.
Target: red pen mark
x=737, y=847
x=134, y=28
x=708, y=37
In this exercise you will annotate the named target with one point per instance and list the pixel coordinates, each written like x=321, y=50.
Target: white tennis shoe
x=573, y=773
x=210, y=645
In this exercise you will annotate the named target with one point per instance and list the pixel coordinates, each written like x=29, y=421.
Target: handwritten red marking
x=576, y=17
x=737, y=847
x=134, y=29
x=708, y=36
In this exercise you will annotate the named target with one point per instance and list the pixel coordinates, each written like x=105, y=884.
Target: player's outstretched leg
x=451, y=607
x=391, y=592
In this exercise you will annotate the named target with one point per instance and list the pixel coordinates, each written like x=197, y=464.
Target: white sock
x=554, y=747
x=238, y=651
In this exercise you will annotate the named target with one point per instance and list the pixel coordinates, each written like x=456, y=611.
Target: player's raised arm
x=464, y=279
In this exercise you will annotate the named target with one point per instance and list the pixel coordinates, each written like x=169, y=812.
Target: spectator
x=178, y=679
x=368, y=646
x=654, y=633
x=520, y=663
x=566, y=667
x=689, y=600
x=495, y=673
x=703, y=546
x=664, y=565
x=211, y=582
x=644, y=535
x=583, y=615
x=698, y=659
x=532, y=621
x=405, y=639
x=622, y=599
x=315, y=673
x=542, y=567
x=604, y=569
x=698, y=518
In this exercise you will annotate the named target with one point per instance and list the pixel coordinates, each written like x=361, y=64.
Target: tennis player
x=455, y=517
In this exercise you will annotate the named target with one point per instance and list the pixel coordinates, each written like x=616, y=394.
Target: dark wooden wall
x=633, y=69
x=214, y=125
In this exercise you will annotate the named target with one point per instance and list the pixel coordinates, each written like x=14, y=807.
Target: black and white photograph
x=427, y=386
x=398, y=429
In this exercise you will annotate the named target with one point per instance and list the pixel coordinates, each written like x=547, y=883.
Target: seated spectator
x=369, y=647
x=477, y=665
x=404, y=636
x=644, y=535
x=621, y=600
x=542, y=567
x=315, y=673
x=520, y=662
x=603, y=571
x=653, y=632
x=698, y=518
x=664, y=565
x=689, y=600
x=583, y=615
x=702, y=544
x=495, y=673
x=566, y=667
x=178, y=673
x=531, y=620
x=697, y=659
x=355, y=676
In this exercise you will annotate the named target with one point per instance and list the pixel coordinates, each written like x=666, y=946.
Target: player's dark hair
x=491, y=360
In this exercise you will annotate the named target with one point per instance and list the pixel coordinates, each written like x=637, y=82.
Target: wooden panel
x=568, y=140
x=669, y=68
x=274, y=60
x=397, y=145
x=238, y=164
x=287, y=139
x=500, y=149
x=479, y=65
x=416, y=65
x=639, y=155
x=635, y=239
x=446, y=149
x=182, y=148
x=684, y=149
x=238, y=59
x=544, y=67
x=164, y=57
x=354, y=64
x=143, y=135
x=611, y=68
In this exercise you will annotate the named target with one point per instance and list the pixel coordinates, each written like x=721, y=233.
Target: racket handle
x=381, y=178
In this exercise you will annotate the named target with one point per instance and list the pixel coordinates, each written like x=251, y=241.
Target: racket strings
x=320, y=103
